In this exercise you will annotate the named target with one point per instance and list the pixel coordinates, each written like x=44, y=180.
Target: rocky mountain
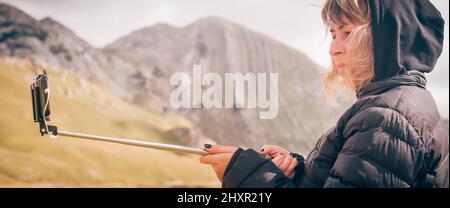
x=47, y=41
x=221, y=46
x=138, y=68
x=23, y=36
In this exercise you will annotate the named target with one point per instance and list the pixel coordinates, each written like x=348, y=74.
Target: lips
x=339, y=63
x=340, y=68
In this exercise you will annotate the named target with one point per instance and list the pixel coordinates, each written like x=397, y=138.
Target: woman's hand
x=272, y=150
x=281, y=158
x=219, y=156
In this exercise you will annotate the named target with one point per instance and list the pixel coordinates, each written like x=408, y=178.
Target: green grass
x=30, y=160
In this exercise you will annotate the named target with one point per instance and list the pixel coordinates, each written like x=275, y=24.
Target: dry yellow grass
x=29, y=160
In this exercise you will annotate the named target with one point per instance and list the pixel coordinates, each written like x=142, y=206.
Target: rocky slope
x=138, y=68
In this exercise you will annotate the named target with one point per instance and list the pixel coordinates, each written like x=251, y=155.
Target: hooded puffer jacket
x=393, y=136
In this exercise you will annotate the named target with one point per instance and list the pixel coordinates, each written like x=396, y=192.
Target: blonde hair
x=360, y=70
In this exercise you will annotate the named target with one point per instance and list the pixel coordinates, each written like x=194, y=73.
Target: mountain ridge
x=137, y=68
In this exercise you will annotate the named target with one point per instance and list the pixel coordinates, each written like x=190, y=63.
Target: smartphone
x=39, y=97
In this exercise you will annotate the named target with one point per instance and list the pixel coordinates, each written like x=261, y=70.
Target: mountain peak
x=50, y=21
x=163, y=25
x=66, y=35
x=156, y=28
x=15, y=25
x=212, y=19
x=50, y=24
x=9, y=13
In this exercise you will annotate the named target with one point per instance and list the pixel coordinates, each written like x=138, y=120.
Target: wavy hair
x=360, y=69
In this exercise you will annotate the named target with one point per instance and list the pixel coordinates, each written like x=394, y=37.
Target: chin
x=340, y=70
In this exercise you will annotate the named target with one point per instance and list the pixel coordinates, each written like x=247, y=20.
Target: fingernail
x=207, y=146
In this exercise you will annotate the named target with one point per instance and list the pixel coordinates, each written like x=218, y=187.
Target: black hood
x=407, y=34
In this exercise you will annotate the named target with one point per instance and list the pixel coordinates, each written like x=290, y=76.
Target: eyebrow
x=340, y=27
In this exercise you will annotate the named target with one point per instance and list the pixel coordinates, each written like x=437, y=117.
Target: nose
x=337, y=47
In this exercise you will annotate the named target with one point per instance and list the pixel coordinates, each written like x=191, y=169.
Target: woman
x=393, y=136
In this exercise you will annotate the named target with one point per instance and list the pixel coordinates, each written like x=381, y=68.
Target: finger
x=291, y=175
x=293, y=164
x=284, y=153
x=285, y=163
x=268, y=150
x=219, y=175
x=209, y=159
x=263, y=149
x=291, y=169
x=277, y=160
x=204, y=159
x=214, y=149
x=273, y=150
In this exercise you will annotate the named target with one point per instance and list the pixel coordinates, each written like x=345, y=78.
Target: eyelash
x=345, y=33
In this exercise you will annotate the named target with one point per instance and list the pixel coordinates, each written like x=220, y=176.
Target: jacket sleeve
x=380, y=150
x=248, y=169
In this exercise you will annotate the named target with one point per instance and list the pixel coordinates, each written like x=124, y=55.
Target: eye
x=347, y=33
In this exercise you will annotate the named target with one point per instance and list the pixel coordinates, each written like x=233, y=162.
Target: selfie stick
x=140, y=143
x=41, y=109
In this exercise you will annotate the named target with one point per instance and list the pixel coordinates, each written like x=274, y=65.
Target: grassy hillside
x=30, y=160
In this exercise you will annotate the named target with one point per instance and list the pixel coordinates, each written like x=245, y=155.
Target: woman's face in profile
x=338, y=48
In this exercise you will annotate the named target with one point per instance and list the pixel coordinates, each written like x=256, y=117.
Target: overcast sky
x=296, y=23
